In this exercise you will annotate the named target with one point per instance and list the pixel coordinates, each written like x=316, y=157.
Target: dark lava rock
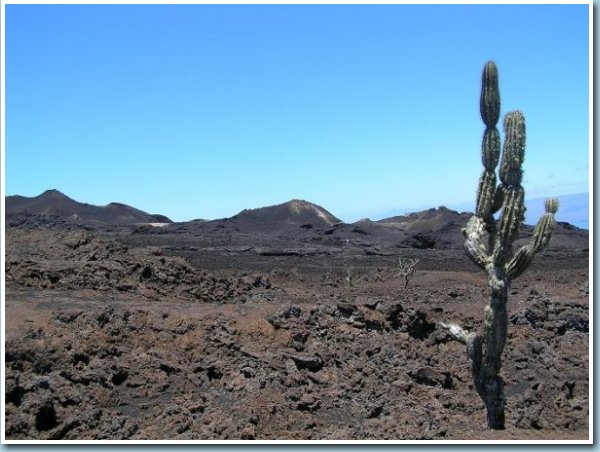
x=431, y=377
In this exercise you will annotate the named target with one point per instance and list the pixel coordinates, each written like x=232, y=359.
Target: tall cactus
x=489, y=243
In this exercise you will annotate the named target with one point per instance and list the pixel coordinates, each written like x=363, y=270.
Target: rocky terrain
x=279, y=323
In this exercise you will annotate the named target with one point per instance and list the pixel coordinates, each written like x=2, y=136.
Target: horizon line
x=388, y=213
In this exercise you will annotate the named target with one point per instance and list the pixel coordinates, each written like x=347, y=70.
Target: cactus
x=489, y=243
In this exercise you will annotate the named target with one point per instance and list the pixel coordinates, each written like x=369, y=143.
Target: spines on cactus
x=520, y=261
x=485, y=194
x=545, y=226
x=541, y=237
x=511, y=218
x=514, y=149
x=490, y=95
x=498, y=197
x=551, y=205
x=490, y=149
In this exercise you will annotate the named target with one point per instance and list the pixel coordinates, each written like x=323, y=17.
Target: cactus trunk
x=486, y=372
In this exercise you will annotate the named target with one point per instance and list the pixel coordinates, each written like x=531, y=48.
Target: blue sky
x=200, y=111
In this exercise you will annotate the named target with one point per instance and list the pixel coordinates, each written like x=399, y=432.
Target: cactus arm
x=498, y=198
x=541, y=238
x=545, y=226
x=458, y=333
x=490, y=148
x=513, y=195
x=485, y=194
x=473, y=343
x=474, y=233
x=514, y=149
x=489, y=106
x=520, y=261
x=513, y=211
x=551, y=205
x=490, y=95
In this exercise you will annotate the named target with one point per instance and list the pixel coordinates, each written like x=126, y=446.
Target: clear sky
x=200, y=111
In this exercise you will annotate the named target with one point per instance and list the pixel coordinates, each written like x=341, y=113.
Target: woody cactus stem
x=489, y=244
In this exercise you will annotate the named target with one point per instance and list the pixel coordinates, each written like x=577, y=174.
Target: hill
x=443, y=227
x=291, y=215
x=55, y=203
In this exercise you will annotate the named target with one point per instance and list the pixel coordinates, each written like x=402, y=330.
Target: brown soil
x=132, y=334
